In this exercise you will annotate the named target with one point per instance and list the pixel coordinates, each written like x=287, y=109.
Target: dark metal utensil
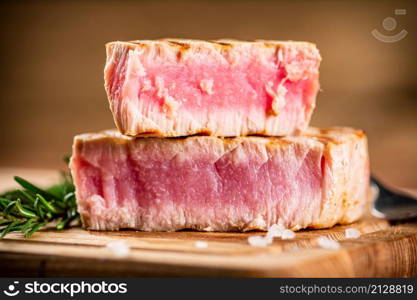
x=393, y=205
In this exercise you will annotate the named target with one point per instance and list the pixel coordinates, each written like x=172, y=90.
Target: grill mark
x=222, y=44
x=150, y=133
x=183, y=46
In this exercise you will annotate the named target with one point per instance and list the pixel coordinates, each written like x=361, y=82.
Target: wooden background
x=52, y=57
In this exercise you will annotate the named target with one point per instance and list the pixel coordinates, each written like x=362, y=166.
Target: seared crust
x=333, y=135
x=185, y=44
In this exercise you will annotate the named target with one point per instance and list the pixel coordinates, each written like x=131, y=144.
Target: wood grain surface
x=383, y=250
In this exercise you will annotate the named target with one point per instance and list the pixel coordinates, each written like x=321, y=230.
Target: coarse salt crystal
x=258, y=241
x=288, y=234
x=275, y=230
x=201, y=244
x=327, y=243
x=118, y=248
x=352, y=233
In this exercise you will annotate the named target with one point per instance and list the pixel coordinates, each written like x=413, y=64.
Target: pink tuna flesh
x=314, y=180
x=224, y=88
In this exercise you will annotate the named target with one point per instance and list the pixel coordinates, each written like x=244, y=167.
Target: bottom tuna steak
x=220, y=184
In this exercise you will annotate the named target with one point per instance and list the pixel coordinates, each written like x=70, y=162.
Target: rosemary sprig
x=30, y=208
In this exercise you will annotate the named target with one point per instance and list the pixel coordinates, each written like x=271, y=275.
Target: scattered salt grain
x=327, y=243
x=275, y=230
x=118, y=248
x=200, y=244
x=288, y=234
x=352, y=233
x=258, y=241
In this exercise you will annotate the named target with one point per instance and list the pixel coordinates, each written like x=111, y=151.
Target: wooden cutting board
x=383, y=250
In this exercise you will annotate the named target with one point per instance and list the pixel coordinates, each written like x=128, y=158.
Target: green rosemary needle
x=31, y=208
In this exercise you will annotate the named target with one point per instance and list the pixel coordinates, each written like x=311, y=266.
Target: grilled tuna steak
x=207, y=183
x=174, y=88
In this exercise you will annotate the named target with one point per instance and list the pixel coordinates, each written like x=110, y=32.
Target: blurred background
x=52, y=58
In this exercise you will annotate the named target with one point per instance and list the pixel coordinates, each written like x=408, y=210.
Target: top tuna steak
x=224, y=88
